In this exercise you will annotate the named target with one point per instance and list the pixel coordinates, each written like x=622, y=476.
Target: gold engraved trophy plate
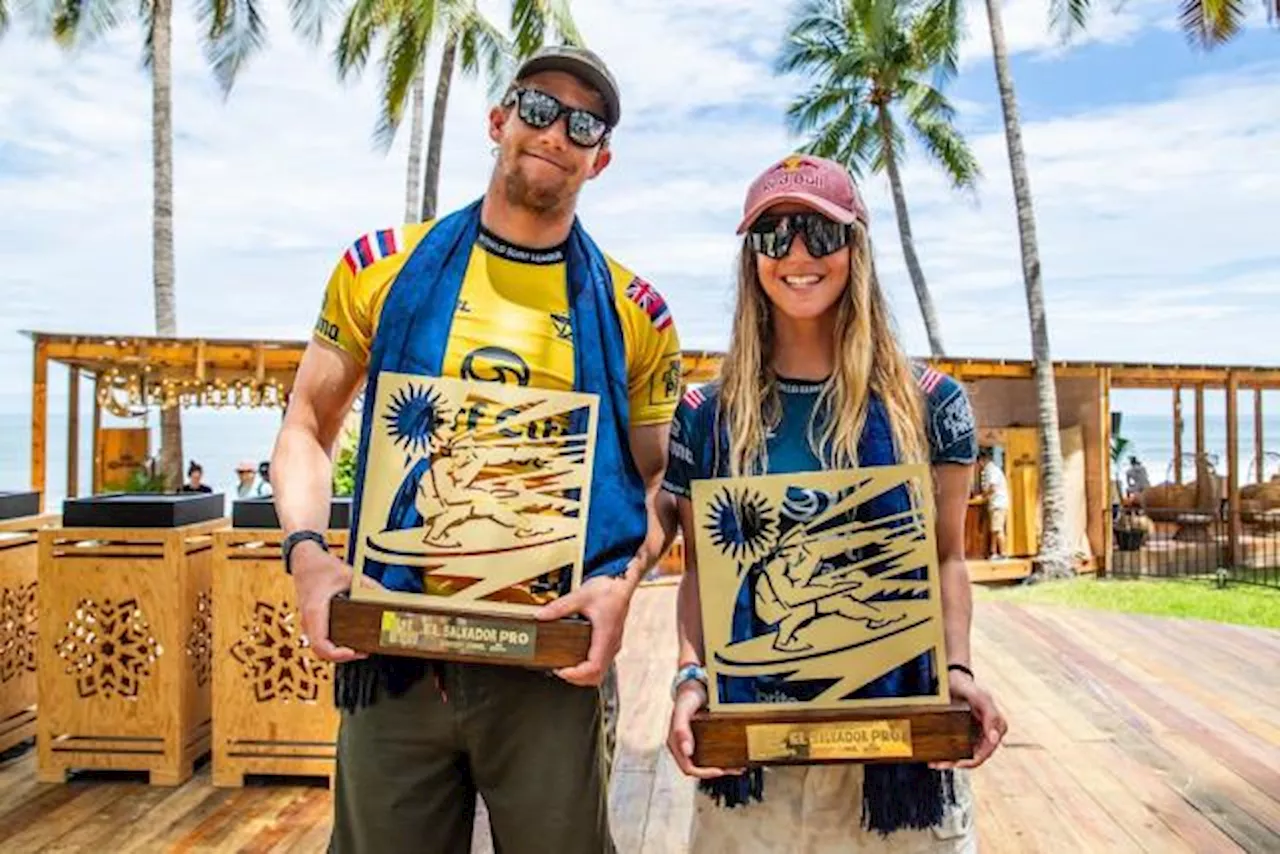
x=836, y=603
x=477, y=493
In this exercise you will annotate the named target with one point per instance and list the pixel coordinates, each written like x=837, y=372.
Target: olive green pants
x=532, y=745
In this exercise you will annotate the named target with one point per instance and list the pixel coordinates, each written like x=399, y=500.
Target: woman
x=814, y=379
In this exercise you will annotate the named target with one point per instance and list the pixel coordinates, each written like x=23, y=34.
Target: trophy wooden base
x=468, y=637
x=886, y=734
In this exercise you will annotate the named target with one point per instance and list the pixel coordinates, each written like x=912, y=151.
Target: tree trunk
x=923, y=297
x=431, y=181
x=1054, y=558
x=413, y=176
x=162, y=224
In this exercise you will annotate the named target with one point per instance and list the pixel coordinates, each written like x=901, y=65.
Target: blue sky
x=1152, y=165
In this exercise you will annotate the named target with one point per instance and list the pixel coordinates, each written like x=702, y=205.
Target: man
x=247, y=480
x=996, y=489
x=1137, y=481
x=411, y=761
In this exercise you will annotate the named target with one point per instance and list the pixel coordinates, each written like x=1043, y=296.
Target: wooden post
x=1199, y=424
x=1233, y=478
x=95, y=485
x=1259, y=449
x=73, y=433
x=39, y=416
x=1177, y=434
x=1103, y=506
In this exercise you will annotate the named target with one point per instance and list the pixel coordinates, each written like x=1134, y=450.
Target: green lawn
x=1238, y=603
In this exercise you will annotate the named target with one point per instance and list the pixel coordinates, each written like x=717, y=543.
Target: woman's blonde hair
x=868, y=361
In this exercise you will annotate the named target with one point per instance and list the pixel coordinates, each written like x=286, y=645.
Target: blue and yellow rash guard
x=511, y=323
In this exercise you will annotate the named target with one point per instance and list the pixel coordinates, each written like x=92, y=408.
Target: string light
x=130, y=394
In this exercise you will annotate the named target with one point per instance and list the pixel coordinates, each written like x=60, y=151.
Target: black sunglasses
x=771, y=236
x=540, y=110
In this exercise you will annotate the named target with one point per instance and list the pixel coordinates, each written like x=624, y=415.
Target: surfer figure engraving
x=450, y=496
x=796, y=591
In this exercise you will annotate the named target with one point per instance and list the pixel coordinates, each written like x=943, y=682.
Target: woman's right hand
x=690, y=697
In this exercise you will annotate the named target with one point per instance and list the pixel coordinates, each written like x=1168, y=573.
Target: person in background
x=264, y=479
x=247, y=480
x=1136, y=480
x=195, y=479
x=996, y=489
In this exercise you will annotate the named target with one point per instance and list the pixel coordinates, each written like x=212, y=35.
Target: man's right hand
x=318, y=576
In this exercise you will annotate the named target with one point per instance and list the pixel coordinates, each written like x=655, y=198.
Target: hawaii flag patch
x=372, y=247
x=647, y=297
x=693, y=398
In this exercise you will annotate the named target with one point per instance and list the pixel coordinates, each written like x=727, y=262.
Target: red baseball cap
x=815, y=182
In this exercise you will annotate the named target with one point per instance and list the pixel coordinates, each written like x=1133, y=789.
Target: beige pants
x=817, y=810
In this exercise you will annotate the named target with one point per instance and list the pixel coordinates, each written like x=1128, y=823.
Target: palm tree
x=469, y=38
x=871, y=59
x=1054, y=559
x=1206, y=23
x=232, y=31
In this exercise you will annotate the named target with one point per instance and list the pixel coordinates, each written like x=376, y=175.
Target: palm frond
x=936, y=35
x=233, y=30
x=362, y=25
x=408, y=39
x=481, y=44
x=4, y=17
x=1069, y=17
x=76, y=22
x=308, y=17
x=530, y=20
x=816, y=106
x=947, y=148
x=1209, y=23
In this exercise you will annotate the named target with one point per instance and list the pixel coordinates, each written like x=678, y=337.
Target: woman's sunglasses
x=540, y=110
x=771, y=236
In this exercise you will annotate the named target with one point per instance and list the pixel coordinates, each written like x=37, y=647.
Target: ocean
x=217, y=439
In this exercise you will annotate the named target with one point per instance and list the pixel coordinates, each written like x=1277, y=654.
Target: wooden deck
x=1127, y=734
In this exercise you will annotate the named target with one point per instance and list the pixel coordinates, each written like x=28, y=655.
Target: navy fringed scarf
x=895, y=796
x=412, y=337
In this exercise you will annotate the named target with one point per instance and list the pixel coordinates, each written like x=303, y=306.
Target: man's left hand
x=991, y=721
x=603, y=601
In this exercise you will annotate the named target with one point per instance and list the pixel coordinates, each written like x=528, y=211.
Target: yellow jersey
x=511, y=322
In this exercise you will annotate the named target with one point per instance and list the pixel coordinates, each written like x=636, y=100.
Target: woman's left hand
x=989, y=717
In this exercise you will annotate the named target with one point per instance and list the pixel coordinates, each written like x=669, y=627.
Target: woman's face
x=800, y=286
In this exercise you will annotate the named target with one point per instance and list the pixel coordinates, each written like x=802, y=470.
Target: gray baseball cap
x=583, y=64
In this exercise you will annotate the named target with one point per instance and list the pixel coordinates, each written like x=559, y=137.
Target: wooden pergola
x=135, y=371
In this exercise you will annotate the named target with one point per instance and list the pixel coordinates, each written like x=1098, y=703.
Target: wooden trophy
x=475, y=498
x=804, y=604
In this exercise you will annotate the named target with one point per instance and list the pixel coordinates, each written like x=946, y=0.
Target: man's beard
x=541, y=200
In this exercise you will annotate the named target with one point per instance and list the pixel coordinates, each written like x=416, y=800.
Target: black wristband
x=291, y=541
x=962, y=669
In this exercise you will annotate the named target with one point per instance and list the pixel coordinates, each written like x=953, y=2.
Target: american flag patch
x=693, y=398
x=372, y=247
x=930, y=379
x=647, y=297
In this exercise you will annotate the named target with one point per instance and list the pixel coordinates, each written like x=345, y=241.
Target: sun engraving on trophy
x=275, y=656
x=17, y=631
x=108, y=647
x=815, y=581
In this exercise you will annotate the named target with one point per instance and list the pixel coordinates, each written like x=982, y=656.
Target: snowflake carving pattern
x=275, y=656
x=17, y=631
x=108, y=648
x=200, y=640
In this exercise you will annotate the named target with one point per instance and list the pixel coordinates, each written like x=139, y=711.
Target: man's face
x=245, y=475
x=542, y=170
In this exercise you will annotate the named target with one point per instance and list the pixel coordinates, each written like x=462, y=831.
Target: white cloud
x=1137, y=205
